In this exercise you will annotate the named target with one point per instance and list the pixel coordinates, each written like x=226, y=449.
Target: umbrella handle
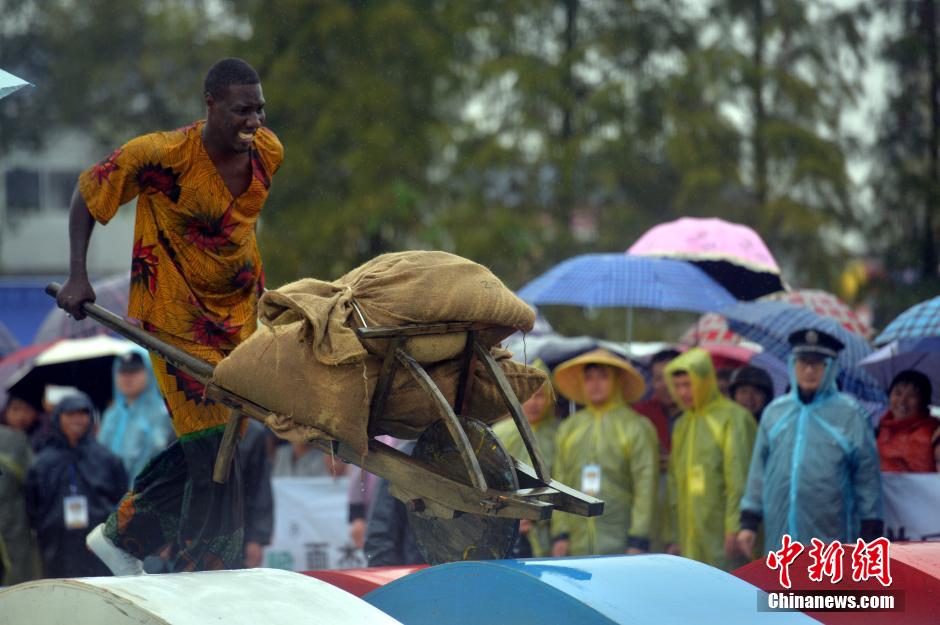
x=201, y=369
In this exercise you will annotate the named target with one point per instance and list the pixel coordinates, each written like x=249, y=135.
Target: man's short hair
x=666, y=355
x=229, y=72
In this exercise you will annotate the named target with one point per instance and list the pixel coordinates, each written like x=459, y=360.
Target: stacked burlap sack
x=306, y=364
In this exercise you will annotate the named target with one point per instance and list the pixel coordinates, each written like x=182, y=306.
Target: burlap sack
x=306, y=364
x=426, y=287
x=409, y=409
x=293, y=366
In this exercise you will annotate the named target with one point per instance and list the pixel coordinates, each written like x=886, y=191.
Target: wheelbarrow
x=464, y=493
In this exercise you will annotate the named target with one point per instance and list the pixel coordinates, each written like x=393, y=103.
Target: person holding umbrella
x=610, y=452
x=908, y=437
x=196, y=276
x=814, y=472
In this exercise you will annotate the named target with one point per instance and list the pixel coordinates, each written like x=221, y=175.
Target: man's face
x=132, y=383
x=235, y=118
x=74, y=424
x=20, y=414
x=534, y=408
x=660, y=388
x=682, y=383
x=810, y=369
x=598, y=384
x=751, y=397
x=904, y=400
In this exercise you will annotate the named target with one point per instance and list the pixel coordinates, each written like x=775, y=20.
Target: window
x=61, y=185
x=22, y=190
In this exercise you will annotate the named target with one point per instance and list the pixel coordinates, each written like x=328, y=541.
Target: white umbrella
x=10, y=83
x=83, y=363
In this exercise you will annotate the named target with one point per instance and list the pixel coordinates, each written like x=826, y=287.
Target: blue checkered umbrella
x=919, y=321
x=625, y=281
x=771, y=323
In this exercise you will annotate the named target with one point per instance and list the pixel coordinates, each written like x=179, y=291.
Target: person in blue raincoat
x=814, y=471
x=136, y=427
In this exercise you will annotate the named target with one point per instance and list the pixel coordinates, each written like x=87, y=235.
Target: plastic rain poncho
x=815, y=470
x=711, y=449
x=623, y=444
x=544, y=431
x=139, y=431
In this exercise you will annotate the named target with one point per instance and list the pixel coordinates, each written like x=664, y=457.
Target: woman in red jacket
x=908, y=437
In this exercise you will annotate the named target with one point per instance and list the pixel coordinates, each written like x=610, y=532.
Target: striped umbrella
x=919, y=321
x=622, y=280
x=713, y=328
x=771, y=323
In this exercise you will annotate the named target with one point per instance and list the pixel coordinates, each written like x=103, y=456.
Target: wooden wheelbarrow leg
x=515, y=409
x=477, y=480
x=227, y=448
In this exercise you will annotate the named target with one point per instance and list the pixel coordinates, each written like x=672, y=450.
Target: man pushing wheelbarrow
x=405, y=345
x=195, y=280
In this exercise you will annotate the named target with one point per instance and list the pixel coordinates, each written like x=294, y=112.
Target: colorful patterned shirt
x=196, y=271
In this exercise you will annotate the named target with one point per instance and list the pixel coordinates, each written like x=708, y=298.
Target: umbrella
x=10, y=83
x=622, y=280
x=918, y=354
x=8, y=342
x=83, y=363
x=919, y=321
x=713, y=328
x=771, y=323
x=111, y=293
x=734, y=255
x=12, y=363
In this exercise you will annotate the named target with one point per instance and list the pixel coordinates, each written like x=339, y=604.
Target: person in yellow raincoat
x=711, y=453
x=540, y=412
x=606, y=450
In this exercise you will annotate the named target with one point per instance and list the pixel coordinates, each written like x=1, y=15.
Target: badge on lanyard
x=591, y=479
x=75, y=506
x=76, y=512
x=697, y=480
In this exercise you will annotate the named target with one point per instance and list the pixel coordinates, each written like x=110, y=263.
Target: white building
x=35, y=188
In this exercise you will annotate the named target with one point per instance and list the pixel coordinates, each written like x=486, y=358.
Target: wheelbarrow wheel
x=467, y=536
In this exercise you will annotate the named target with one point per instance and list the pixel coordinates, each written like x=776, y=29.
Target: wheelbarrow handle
x=196, y=367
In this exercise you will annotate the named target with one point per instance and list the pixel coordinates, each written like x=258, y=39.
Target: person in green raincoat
x=711, y=452
x=540, y=412
x=606, y=450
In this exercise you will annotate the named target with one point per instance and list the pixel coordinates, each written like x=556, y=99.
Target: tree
x=114, y=69
x=782, y=72
x=359, y=94
x=906, y=180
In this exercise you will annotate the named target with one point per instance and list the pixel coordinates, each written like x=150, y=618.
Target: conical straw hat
x=569, y=376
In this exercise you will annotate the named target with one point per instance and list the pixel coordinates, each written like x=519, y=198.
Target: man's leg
x=147, y=516
x=211, y=525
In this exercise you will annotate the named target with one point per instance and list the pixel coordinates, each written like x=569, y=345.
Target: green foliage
x=514, y=132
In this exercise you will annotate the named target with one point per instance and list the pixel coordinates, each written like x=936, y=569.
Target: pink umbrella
x=732, y=254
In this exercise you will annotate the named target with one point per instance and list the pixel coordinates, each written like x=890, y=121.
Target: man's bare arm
x=77, y=289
